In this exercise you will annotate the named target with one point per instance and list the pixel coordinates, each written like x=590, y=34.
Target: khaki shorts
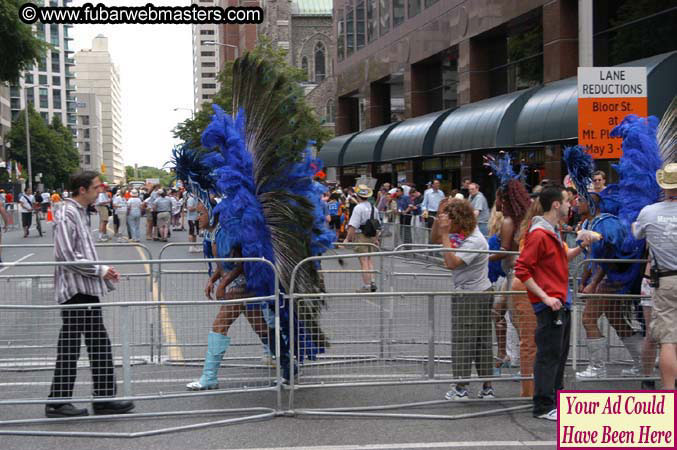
x=163, y=219
x=664, y=317
x=362, y=239
x=103, y=213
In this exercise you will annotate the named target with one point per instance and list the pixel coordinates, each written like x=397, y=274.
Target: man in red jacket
x=543, y=268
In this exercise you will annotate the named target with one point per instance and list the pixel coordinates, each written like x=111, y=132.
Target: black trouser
x=86, y=321
x=431, y=219
x=26, y=219
x=552, y=350
x=405, y=229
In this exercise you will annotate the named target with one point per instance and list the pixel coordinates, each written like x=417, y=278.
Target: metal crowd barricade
x=617, y=320
x=28, y=337
x=394, y=338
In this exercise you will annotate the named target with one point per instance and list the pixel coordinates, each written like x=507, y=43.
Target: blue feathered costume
x=261, y=168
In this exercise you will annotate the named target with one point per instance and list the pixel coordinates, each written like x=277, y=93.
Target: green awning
x=365, y=147
x=484, y=124
x=331, y=153
x=413, y=137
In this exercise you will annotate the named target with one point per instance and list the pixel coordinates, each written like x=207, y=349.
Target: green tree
x=190, y=130
x=19, y=48
x=145, y=172
x=53, y=152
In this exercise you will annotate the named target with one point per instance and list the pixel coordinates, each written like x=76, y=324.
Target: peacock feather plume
x=667, y=134
x=580, y=167
x=186, y=165
x=501, y=167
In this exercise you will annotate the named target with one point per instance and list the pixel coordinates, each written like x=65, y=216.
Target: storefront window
x=359, y=22
x=384, y=9
x=398, y=12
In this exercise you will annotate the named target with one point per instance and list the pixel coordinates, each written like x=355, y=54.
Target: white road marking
x=13, y=263
x=418, y=445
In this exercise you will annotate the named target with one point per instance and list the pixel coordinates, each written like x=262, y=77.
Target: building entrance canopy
x=536, y=116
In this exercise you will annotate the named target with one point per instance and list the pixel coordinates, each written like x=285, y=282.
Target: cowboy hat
x=667, y=176
x=363, y=191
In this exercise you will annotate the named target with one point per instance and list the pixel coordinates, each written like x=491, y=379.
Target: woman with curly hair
x=523, y=315
x=513, y=201
x=471, y=337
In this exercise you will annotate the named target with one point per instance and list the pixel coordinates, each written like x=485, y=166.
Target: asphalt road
x=373, y=340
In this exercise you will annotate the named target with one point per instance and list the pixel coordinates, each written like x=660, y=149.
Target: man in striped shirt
x=83, y=284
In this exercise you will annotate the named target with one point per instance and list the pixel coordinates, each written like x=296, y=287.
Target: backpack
x=372, y=226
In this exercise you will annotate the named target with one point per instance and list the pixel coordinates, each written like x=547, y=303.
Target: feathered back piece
x=580, y=167
x=501, y=167
x=195, y=176
x=667, y=134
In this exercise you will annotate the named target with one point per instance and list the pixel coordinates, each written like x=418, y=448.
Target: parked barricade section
x=612, y=320
x=151, y=357
x=348, y=274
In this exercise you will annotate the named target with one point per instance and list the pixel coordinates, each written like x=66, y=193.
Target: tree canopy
x=53, y=152
x=19, y=48
x=144, y=172
x=190, y=130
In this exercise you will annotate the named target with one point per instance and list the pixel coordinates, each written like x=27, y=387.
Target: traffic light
x=103, y=168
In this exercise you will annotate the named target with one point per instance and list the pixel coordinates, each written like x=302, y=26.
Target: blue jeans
x=134, y=224
x=484, y=228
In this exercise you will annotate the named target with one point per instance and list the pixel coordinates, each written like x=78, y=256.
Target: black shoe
x=64, y=410
x=648, y=385
x=112, y=407
x=373, y=287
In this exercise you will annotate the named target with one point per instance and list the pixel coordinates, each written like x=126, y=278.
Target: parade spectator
x=481, y=207
x=26, y=207
x=471, y=337
x=656, y=223
x=9, y=201
x=163, y=207
x=191, y=216
x=7, y=220
x=334, y=207
x=416, y=201
x=649, y=346
x=44, y=205
x=543, y=269
x=362, y=229
x=120, y=212
x=404, y=208
x=598, y=181
x=134, y=215
x=431, y=202
x=82, y=284
x=465, y=187
x=37, y=204
x=102, y=204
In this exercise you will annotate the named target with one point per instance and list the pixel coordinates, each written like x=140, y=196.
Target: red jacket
x=544, y=258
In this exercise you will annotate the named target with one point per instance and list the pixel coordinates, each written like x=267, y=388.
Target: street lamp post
x=28, y=141
x=237, y=49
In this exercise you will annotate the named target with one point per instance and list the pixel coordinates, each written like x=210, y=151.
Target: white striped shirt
x=73, y=242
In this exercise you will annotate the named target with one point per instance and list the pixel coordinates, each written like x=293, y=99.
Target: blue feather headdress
x=188, y=168
x=501, y=167
x=580, y=166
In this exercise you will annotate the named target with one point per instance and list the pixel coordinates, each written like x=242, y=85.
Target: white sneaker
x=552, y=415
x=631, y=372
x=121, y=240
x=268, y=360
x=591, y=372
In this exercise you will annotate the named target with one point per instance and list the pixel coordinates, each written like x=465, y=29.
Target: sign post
x=605, y=96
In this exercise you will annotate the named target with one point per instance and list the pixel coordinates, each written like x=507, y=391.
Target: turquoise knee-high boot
x=217, y=344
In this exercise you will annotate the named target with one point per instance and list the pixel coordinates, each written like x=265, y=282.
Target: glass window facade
x=360, y=25
x=56, y=80
x=350, y=32
x=414, y=8
x=30, y=95
x=29, y=78
x=384, y=15
x=54, y=34
x=372, y=20
x=628, y=30
x=44, y=98
x=320, y=62
x=341, y=35
x=43, y=79
x=398, y=12
x=56, y=98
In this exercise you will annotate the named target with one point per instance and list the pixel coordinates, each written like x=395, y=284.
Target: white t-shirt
x=474, y=274
x=191, y=203
x=134, y=205
x=45, y=197
x=361, y=214
x=102, y=199
x=120, y=204
x=26, y=202
x=176, y=205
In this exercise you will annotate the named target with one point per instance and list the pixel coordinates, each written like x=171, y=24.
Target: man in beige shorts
x=358, y=232
x=657, y=224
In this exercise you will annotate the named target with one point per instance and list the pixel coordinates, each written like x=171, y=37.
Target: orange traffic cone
x=49, y=215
